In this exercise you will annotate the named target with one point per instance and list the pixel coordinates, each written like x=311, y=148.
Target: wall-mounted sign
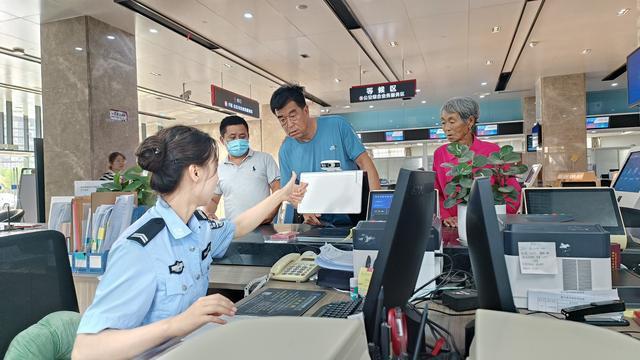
x=118, y=116
x=234, y=102
x=384, y=91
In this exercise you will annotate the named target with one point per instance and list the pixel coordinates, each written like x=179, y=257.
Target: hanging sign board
x=234, y=102
x=385, y=91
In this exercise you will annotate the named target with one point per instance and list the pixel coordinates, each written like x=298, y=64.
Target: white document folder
x=338, y=192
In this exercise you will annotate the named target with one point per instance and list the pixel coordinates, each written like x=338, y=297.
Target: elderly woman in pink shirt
x=458, y=116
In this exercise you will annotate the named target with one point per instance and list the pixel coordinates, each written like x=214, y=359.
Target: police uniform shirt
x=156, y=269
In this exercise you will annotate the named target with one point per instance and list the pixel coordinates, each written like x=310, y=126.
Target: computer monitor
x=486, y=250
x=379, y=204
x=403, y=245
x=590, y=205
x=627, y=183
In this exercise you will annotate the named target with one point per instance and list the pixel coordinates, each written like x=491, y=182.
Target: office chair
x=14, y=215
x=35, y=280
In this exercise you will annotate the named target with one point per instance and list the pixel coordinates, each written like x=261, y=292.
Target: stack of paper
x=335, y=259
x=555, y=301
x=60, y=216
x=119, y=220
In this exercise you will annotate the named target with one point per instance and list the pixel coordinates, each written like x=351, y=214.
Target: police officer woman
x=158, y=272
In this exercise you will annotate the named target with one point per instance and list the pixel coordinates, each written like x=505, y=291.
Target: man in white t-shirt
x=246, y=176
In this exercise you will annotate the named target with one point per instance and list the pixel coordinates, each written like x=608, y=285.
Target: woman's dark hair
x=167, y=153
x=113, y=156
x=232, y=120
x=286, y=93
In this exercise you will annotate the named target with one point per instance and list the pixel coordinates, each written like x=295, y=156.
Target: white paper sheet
x=337, y=192
x=538, y=258
x=554, y=301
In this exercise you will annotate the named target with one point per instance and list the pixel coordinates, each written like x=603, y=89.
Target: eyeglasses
x=293, y=117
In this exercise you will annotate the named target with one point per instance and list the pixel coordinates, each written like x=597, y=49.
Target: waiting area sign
x=234, y=102
x=384, y=91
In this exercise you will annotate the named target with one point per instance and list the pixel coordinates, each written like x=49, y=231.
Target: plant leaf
x=448, y=165
x=494, y=159
x=484, y=172
x=517, y=169
x=466, y=183
x=466, y=157
x=512, y=158
x=506, y=189
x=463, y=192
x=505, y=150
x=450, y=202
x=112, y=186
x=453, y=172
x=480, y=161
x=455, y=149
x=450, y=188
x=133, y=186
x=465, y=169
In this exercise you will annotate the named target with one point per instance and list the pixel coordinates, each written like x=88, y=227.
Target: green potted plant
x=470, y=166
x=133, y=179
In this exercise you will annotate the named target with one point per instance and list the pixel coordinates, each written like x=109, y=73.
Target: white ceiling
x=444, y=44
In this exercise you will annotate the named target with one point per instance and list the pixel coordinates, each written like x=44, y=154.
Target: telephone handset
x=294, y=267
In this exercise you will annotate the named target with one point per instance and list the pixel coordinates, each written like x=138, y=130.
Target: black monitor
x=403, y=245
x=486, y=250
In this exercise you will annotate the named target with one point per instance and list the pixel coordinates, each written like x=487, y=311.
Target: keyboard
x=280, y=302
x=340, y=309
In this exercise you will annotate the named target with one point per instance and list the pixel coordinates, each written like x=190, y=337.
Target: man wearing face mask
x=245, y=176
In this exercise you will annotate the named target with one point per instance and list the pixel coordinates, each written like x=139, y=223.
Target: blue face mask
x=238, y=147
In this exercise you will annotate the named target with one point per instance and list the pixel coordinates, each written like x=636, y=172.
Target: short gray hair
x=463, y=106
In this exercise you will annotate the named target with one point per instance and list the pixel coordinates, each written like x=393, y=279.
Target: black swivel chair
x=13, y=215
x=35, y=280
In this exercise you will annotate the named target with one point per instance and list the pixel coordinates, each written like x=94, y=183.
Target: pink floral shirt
x=479, y=147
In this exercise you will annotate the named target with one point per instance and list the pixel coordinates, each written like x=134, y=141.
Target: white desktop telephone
x=294, y=267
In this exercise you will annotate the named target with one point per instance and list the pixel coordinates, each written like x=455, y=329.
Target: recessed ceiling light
x=614, y=84
x=496, y=29
x=79, y=49
x=409, y=72
x=624, y=11
x=489, y=62
x=155, y=74
x=371, y=106
x=302, y=7
x=482, y=96
x=484, y=83
x=418, y=90
x=533, y=43
x=393, y=43
x=585, y=51
x=248, y=15
x=337, y=80
x=347, y=106
x=322, y=110
x=227, y=65
x=111, y=37
x=424, y=101
x=153, y=31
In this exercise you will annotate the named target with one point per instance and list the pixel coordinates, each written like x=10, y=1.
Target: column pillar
x=272, y=133
x=529, y=119
x=561, y=110
x=88, y=69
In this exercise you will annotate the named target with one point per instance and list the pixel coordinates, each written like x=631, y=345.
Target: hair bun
x=151, y=154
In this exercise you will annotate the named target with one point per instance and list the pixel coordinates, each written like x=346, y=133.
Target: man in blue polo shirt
x=311, y=140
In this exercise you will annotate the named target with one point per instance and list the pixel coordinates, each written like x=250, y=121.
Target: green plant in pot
x=132, y=180
x=500, y=165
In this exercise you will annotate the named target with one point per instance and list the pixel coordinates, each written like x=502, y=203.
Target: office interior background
x=451, y=48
